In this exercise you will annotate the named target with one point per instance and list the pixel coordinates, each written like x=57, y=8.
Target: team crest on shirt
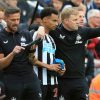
x=23, y=40
x=13, y=98
x=78, y=39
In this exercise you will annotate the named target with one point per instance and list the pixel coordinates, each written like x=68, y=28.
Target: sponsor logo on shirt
x=5, y=42
x=47, y=47
x=62, y=36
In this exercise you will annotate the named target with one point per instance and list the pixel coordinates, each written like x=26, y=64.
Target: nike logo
x=5, y=42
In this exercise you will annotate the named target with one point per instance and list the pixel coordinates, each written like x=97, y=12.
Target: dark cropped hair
x=47, y=12
x=11, y=10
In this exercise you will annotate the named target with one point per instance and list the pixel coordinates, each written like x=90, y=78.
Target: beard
x=12, y=29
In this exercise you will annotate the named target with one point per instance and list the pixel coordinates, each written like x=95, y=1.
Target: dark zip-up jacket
x=71, y=48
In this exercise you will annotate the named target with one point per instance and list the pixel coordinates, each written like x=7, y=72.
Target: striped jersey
x=45, y=52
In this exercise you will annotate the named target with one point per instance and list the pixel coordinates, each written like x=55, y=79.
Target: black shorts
x=49, y=92
x=2, y=88
x=22, y=89
x=72, y=89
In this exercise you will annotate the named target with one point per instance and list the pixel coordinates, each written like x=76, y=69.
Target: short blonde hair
x=67, y=12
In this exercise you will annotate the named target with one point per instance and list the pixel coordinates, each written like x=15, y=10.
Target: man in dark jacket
x=72, y=40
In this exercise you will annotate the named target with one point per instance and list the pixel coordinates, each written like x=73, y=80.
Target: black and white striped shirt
x=45, y=52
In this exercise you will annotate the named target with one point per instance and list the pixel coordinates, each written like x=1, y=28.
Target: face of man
x=51, y=22
x=95, y=20
x=12, y=3
x=57, y=4
x=81, y=18
x=97, y=2
x=71, y=23
x=12, y=22
x=77, y=2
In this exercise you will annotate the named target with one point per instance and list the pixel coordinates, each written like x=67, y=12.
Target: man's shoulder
x=2, y=32
x=57, y=30
x=25, y=32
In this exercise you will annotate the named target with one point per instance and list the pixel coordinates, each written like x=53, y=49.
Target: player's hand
x=61, y=72
x=40, y=32
x=17, y=49
x=54, y=67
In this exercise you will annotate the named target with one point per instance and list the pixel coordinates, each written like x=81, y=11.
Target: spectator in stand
x=36, y=22
x=97, y=4
x=89, y=5
x=3, y=5
x=58, y=4
x=12, y=3
x=25, y=10
x=82, y=11
x=73, y=3
x=24, y=7
x=93, y=18
x=93, y=45
x=2, y=9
